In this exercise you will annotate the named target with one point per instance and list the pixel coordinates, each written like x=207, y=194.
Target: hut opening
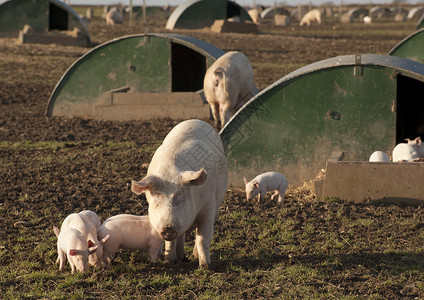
x=188, y=68
x=409, y=109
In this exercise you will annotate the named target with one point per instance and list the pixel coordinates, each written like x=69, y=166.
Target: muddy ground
x=89, y=179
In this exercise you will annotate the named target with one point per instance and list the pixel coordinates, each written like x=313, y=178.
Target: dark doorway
x=58, y=18
x=232, y=9
x=409, y=109
x=188, y=69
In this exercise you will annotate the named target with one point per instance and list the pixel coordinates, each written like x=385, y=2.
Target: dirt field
x=52, y=167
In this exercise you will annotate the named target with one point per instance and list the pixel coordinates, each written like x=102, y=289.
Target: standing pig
x=269, y=181
x=73, y=245
x=87, y=229
x=129, y=232
x=185, y=184
x=228, y=85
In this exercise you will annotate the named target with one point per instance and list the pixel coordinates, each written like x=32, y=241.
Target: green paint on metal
x=411, y=47
x=141, y=63
x=202, y=13
x=294, y=126
x=42, y=15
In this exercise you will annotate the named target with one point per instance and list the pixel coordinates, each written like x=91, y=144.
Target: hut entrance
x=232, y=10
x=188, y=69
x=58, y=18
x=410, y=109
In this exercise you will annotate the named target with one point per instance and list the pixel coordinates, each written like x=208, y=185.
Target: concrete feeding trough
x=42, y=21
x=231, y=26
x=355, y=103
x=137, y=77
x=357, y=181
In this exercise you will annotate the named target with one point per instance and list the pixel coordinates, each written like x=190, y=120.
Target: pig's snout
x=168, y=233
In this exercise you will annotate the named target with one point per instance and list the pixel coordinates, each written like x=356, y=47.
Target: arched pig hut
x=411, y=47
x=137, y=77
x=203, y=13
x=356, y=103
x=44, y=16
x=270, y=12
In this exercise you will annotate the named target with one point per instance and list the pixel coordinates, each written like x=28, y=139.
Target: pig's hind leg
x=281, y=192
x=276, y=193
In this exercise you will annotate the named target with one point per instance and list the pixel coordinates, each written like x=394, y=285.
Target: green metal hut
x=137, y=77
x=42, y=15
x=411, y=47
x=355, y=103
x=203, y=13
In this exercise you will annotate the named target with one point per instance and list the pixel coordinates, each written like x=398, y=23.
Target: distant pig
x=129, y=232
x=185, y=184
x=89, y=231
x=71, y=244
x=269, y=181
x=228, y=85
x=407, y=152
x=379, y=156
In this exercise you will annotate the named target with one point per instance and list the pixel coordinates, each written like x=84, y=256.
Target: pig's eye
x=179, y=197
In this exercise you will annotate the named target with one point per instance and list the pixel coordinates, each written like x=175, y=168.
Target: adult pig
x=184, y=186
x=228, y=85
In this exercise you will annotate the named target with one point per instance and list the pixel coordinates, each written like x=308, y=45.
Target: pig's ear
x=93, y=249
x=245, y=180
x=56, y=231
x=256, y=184
x=73, y=252
x=103, y=240
x=193, y=177
x=90, y=243
x=138, y=187
x=418, y=141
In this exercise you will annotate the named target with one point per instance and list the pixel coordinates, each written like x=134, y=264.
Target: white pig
x=185, y=184
x=88, y=230
x=379, y=156
x=407, y=152
x=418, y=143
x=92, y=217
x=269, y=181
x=228, y=85
x=310, y=16
x=71, y=244
x=129, y=232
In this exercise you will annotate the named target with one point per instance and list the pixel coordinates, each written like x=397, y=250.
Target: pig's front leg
x=180, y=248
x=203, y=242
x=171, y=252
x=262, y=196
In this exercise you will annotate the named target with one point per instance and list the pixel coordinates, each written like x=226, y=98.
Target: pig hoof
x=205, y=267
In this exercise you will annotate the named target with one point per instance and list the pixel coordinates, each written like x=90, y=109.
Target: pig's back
x=190, y=146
